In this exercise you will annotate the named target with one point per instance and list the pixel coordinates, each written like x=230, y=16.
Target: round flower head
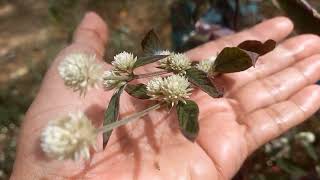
x=154, y=86
x=110, y=80
x=171, y=89
x=206, y=65
x=176, y=62
x=69, y=137
x=80, y=72
x=124, y=62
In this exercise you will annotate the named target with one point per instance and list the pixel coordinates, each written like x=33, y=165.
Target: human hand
x=259, y=105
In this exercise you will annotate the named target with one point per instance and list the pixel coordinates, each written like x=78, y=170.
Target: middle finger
x=279, y=86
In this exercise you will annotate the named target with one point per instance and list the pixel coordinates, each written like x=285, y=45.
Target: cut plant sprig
x=169, y=87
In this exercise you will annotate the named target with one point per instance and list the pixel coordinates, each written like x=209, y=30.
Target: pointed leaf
x=148, y=59
x=151, y=43
x=201, y=80
x=234, y=59
x=137, y=90
x=188, y=113
x=112, y=113
x=257, y=46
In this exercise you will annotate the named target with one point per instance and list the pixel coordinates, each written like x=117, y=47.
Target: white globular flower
x=206, y=65
x=176, y=62
x=69, y=137
x=80, y=72
x=306, y=137
x=111, y=80
x=154, y=86
x=171, y=89
x=124, y=62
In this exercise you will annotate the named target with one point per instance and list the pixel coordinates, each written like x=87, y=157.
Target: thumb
x=54, y=99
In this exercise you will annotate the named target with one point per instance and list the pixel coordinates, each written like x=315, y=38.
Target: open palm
x=259, y=105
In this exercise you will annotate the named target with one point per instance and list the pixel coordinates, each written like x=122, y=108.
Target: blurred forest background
x=33, y=31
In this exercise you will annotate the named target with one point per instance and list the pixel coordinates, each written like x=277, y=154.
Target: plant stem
x=138, y=76
x=120, y=78
x=130, y=118
x=147, y=75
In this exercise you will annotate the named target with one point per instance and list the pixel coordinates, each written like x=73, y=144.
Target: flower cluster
x=171, y=89
x=80, y=72
x=72, y=136
x=69, y=137
x=124, y=62
x=178, y=63
x=122, y=68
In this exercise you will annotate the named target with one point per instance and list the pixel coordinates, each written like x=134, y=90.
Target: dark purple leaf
x=258, y=47
x=112, y=113
x=234, y=59
x=137, y=90
x=151, y=43
x=201, y=80
x=188, y=113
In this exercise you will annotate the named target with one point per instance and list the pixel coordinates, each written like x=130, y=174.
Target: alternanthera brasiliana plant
x=170, y=87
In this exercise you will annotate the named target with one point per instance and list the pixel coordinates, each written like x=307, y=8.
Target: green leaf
x=306, y=19
x=201, y=80
x=290, y=168
x=112, y=113
x=188, y=113
x=258, y=47
x=234, y=59
x=137, y=90
x=148, y=59
x=151, y=43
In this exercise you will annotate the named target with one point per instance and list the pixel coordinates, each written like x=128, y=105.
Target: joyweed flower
x=124, y=62
x=171, y=89
x=206, y=65
x=176, y=62
x=111, y=80
x=80, y=72
x=69, y=137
